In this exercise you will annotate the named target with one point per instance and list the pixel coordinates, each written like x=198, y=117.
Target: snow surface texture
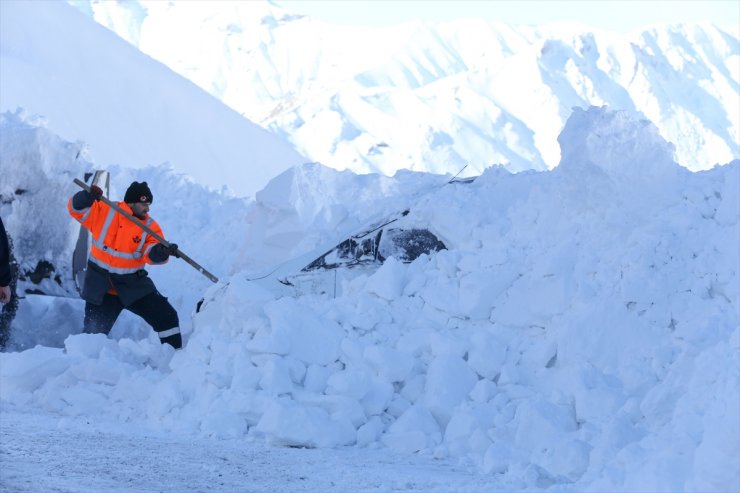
x=78, y=455
x=581, y=332
x=127, y=108
x=436, y=96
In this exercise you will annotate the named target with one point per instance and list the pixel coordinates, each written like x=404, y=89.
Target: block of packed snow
x=497, y=458
x=371, y=391
x=615, y=143
x=369, y=432
x=449, y=343
x=275, y=378
x=538, y=352
x=413, y=387
x=567, y=458
x=728, y=210
x=478, y=291
x=351, y=352
x=310, y=338
x=415, y=430
x=458, y=433
x=268, y=340
x=449, y=380
x=545, y=433
x=442, y=295
x=223, y=424
x=296, y=369
x=338, y=406
x=483, y=391
x=388, y=281
x=407, y=441
x=391, y=364
x=487, y=354
x=397, y=406
x=245, y=375
x=415, y=341
x=316, y=378
x=351, y=381
x=288, y=424
x=88, y=345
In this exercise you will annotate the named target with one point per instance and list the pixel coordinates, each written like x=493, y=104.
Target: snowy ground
x=45, y=454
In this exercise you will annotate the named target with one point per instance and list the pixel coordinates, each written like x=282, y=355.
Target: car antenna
x=458, y=174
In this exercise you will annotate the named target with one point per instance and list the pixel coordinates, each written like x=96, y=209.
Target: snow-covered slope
x=434, y=97
x=580, y=333
x=123, y=106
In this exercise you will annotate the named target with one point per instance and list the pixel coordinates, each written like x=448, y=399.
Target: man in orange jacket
x=115, y=277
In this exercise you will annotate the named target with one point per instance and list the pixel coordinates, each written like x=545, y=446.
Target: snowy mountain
x=122, y=106
x=434, y=97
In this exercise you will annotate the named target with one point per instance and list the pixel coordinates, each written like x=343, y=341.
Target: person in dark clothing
x=116, y=279
x=4, y=265
x=8, y=300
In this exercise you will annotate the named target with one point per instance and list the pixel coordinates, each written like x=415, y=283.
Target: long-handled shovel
x=149, y=231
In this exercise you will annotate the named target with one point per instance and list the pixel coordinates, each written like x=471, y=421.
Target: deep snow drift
x=581, y=331
x=127, y=108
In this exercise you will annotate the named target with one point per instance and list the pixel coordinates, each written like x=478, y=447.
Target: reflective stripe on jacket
x=119, y=252
x=118, y=245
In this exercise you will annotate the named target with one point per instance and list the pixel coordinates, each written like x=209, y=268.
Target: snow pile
x=581, y=332
x=33, y=163
x=311, y=206
x=610, y=142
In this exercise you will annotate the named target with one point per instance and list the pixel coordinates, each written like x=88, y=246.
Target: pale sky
x=613, y=15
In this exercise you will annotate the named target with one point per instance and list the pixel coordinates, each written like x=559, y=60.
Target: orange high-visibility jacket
x=118, y=245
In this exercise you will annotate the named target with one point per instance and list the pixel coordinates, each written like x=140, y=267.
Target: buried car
x=323, y=270
x=403, y=235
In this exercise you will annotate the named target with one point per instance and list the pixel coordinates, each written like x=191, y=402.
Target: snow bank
x=34, y=162
x=36, y=172
x=580, y=333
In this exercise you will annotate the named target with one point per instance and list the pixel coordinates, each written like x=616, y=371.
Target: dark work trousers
x=153, y=308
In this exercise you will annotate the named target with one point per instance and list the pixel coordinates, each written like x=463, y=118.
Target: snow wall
x=580, y=332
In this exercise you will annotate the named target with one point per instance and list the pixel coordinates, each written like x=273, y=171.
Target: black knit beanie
x=138, y=192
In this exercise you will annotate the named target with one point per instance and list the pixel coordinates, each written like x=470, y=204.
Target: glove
x=172, y=250
x=96, y=192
